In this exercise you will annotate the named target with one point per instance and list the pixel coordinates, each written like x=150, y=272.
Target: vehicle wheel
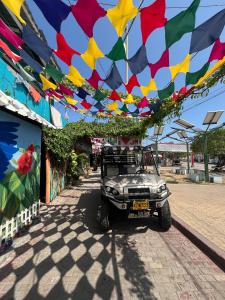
x=165, y=220
x=103, y=215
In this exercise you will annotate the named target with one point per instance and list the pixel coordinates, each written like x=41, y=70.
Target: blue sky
x=106, y=37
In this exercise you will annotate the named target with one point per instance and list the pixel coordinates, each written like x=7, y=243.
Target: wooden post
x=48, y=178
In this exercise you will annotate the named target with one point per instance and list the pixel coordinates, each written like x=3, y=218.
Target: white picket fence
x=12, y=226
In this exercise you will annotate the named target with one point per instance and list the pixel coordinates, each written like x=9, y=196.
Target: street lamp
x=183, y=137
x=158, y=131
x=211, y=118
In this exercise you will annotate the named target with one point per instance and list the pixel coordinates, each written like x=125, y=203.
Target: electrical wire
x=173, y=7
x=203, y=101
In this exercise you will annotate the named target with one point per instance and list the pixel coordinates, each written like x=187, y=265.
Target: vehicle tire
x=103, y=215
x=165, y=220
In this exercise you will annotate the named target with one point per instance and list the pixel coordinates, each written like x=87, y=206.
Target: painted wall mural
x=20, y=152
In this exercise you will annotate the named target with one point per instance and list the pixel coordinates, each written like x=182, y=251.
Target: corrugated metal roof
x=171, y=147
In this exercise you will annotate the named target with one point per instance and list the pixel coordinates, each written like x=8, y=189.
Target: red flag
x=132, y=83
x=152, y=17
x=162, y=62
x=218, y=51
x=8, y=51
x=114, y=95
x=94, y=79
x=64, y=52
x=85, y=104
x=65, y=90
x=87, y=13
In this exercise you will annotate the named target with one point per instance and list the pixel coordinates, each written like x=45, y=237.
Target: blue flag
x=54, y=11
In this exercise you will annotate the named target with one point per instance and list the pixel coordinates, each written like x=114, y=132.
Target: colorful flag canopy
x=106, y=78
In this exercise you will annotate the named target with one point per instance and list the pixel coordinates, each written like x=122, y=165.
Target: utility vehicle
x=129, y=187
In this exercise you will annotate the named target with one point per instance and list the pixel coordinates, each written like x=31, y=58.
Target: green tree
x=216, y=142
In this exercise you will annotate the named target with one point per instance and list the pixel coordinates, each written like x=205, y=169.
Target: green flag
x=124, y=108
x=182, y=23
x=51, y=70
x=192, y=78
x=118, y=51
x=99, y=95
x=167, y=92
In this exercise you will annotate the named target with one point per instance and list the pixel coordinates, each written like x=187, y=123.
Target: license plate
x=139, y=214
x=140, y=205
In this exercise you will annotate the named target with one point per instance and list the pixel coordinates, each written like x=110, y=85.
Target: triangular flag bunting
x=118, y=51
x=121, y=14
x=92, y=54
x=182, y=23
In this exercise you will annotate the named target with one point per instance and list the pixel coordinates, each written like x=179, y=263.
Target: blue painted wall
x=20, y=158
x=20, y=92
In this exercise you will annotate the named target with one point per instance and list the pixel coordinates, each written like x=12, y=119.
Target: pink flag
x=8, y=34
x=143, y=103
x=162, y=62
x=218, y=51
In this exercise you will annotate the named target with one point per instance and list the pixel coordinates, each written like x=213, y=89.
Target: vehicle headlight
x=111, y=190
x=108, y=189
x=162, y=188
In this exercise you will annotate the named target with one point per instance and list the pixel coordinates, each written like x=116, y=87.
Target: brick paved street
x=202, y=207
x=64, y=256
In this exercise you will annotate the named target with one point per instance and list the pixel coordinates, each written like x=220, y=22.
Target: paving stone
x=65, y=256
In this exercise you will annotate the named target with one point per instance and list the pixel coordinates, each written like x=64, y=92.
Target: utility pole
x=127, y=53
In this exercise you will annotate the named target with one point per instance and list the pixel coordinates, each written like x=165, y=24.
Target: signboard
x=127, y=141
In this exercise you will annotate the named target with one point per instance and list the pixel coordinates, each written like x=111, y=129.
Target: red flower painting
x=25, y=160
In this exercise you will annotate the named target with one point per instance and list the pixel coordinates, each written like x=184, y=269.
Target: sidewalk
x=65, y=256
x=201, y=207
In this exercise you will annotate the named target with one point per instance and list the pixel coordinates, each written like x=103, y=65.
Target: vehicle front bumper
x=125, y=203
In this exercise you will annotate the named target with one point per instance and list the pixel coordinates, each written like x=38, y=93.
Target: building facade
x=24, y=111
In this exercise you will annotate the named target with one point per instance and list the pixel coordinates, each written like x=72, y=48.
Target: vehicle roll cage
x=125, y=155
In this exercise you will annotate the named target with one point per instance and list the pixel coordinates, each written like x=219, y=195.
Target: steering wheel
x=141, y=171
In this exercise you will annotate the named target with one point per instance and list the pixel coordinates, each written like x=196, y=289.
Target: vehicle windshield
x=125, y=162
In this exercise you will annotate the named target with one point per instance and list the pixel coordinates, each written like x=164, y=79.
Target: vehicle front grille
x=138, y=193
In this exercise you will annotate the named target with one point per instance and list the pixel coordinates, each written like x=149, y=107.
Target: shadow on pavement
x=65, y=256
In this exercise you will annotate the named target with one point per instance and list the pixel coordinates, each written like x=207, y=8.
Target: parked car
x=127, y=186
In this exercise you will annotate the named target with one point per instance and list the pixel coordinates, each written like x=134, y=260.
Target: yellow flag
x=129, y=99
x=112, y=106
x=47, y=84
x=92, y=53
x=75, y=77
x=182, y=67
x=71, y=100
x=15, y=7
x=150, y=87
x=122, y=13
x=211, y=71
x=118, y=112
x=82, y=111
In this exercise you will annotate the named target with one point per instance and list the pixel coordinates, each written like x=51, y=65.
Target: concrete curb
x=207, y=247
